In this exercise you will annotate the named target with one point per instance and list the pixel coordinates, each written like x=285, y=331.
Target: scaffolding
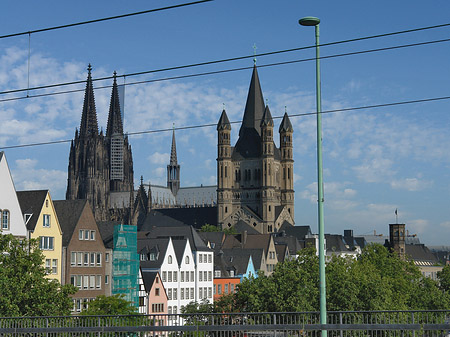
x=126, y=263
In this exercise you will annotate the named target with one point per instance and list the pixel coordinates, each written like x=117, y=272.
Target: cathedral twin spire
x=89, y=124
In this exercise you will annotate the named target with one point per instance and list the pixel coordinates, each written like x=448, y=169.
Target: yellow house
x=42, y=223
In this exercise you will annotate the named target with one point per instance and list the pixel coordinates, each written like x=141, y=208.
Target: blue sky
x=375, y=160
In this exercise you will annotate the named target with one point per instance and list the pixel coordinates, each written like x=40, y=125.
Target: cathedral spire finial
x=89, y=125
x=173, y=150
x=254, y=54
x=115, y=124
x=142, y=180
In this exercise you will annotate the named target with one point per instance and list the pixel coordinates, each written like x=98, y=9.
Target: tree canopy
x=24, y=288
x=110, y=305
x=375, y=280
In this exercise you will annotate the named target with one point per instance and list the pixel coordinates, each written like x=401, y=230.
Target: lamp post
x=312, y=21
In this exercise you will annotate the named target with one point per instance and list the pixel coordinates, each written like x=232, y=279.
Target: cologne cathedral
x=101, y=165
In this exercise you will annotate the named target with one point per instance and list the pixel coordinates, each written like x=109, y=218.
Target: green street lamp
x=312, y=21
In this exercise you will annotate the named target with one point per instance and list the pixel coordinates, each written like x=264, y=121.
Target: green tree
x=110, y=305
x=444, y=278
x=24, y=288
x=375, y=280
x=209, y=228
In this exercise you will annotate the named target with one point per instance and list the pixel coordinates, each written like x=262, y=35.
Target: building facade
x=255, y=178
x=42, y=224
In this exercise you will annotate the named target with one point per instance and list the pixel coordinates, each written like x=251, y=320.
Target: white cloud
x=411, y=184
x=159, y=158
x=418, y=226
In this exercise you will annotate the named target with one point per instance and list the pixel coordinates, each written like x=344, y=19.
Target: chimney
x=348, y=233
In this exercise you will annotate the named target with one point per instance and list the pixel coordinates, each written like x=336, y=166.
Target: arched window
x=186, y=259
x=5, y=219
x=169, y=260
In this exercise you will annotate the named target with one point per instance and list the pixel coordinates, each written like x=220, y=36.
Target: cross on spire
x=254, y=54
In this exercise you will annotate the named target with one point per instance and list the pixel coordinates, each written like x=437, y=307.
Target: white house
x=11, y=218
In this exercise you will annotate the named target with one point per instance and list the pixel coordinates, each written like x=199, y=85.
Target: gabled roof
x=240, y=258
x=179, y=233
x=281, y=250
x=146, y=245
x=215, y=239
x=335, y=244
x=31, y=202
x=292, y=243
x=148, y=278
x=179, y=246
x=69, y=212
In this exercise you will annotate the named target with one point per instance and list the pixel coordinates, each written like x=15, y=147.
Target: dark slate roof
x=286, y=124
x=266, y=118
x=224, y=122
x=215, y=239
x=278, y=210
x=239, y=259
x=1, y=154
x=179, y=233
x=147, y=245
x=242, y=226
x=31, y=202
x=148, y=278
x=254, y=108
x=247, y=146
x=281, y=250
x=293, y=244
x=106, y=229
x=69, y=212
x=297, y=231
x=420, y=253
x=190, y=216
x=335, y=243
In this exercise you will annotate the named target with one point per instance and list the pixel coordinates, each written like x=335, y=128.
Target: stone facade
x=100, y=164
x=255, y=178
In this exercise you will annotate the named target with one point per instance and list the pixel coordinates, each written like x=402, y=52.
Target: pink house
x=156, y=297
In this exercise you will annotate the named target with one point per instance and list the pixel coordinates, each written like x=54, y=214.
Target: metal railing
x=268, y=324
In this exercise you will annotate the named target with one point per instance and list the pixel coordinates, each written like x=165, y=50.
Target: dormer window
x=152, y=257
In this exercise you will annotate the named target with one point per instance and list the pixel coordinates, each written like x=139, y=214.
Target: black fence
x=280, y=324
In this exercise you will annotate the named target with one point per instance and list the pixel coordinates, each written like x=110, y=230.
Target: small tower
x=397, y=239
x=224, y=174
x=268, y=172
x=287, y=164
x=173, y=169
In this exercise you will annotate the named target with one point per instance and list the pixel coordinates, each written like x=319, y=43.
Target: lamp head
x=309, y=21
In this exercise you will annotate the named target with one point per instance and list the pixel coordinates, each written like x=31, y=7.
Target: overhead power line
x=189, y=127
x=121, y=16
x=146, y=72
x=204, y=73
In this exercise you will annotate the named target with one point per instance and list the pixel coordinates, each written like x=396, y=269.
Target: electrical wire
x=190, y=127
x=213, y=72
x=121, y=16
x=255, y=55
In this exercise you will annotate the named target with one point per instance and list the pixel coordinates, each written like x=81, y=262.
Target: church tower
x=173, y=169
x=287, y=164
x=250, y=187
x=99, y=164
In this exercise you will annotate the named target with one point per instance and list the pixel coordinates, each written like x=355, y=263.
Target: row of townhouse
x=184, y=264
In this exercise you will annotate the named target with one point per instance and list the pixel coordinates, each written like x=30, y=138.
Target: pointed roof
x=31, y=202
x=69, y=212
x=115, y=117
x=286, y=124
x=266, y=118
x=254, y=108
x=224, y=122
x=89, y=125
x=173, y=151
